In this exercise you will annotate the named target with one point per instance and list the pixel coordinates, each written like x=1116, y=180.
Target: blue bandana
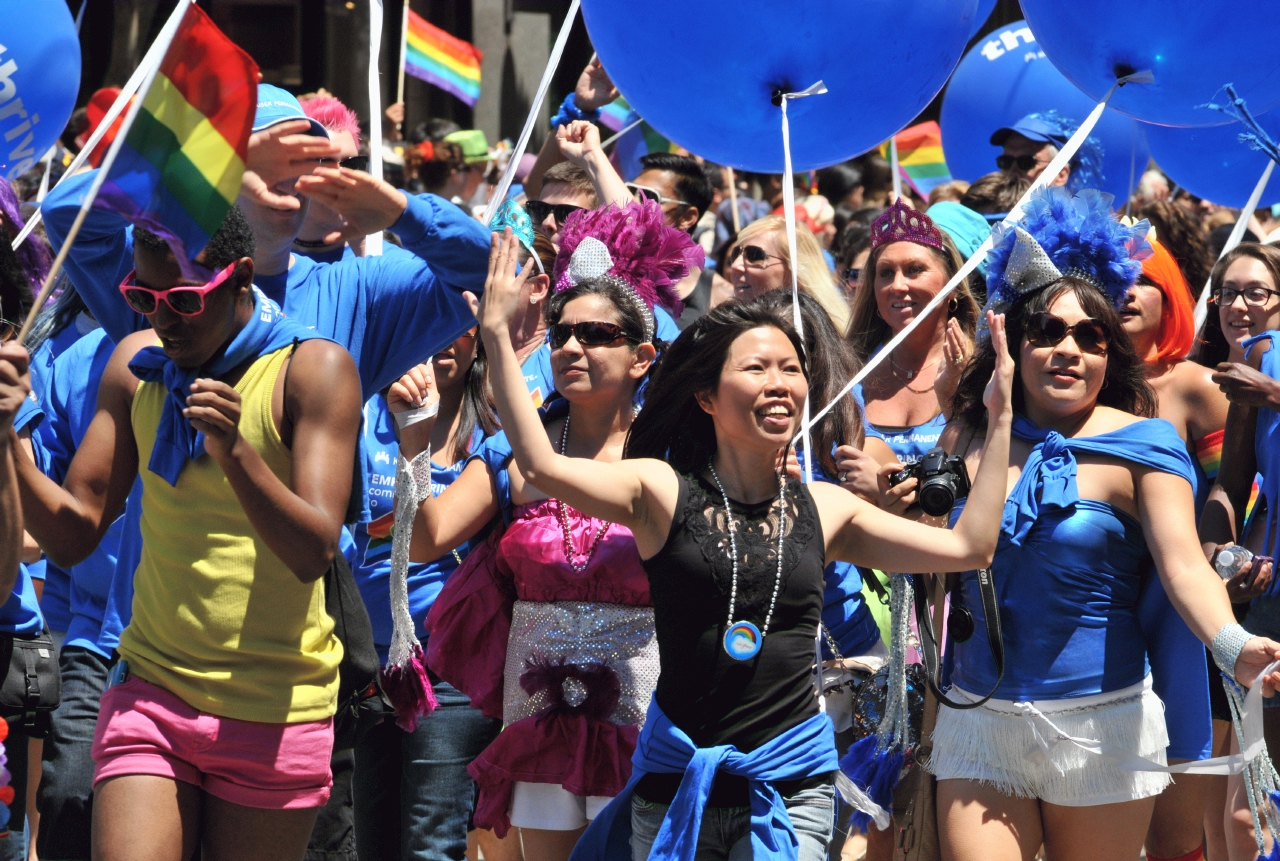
x=177, y=441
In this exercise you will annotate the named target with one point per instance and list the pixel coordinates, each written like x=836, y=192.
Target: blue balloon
x=1004, y=78
x=985, y=8
x=1193, y=47
x=39, y=79
x=1214, y=163
x=883, y=61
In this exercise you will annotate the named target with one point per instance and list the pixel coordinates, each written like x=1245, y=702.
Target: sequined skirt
x=601, y=659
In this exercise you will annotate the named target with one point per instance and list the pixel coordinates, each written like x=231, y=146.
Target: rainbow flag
x=442, y=59
x=920, y=157
x=640, y=141
x=179, y=169
x=617, y=115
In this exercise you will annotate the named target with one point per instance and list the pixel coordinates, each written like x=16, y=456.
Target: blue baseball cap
x=277, y=106
x=1030, y=127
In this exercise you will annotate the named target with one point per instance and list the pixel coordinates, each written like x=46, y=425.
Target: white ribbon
x=789, y=210
x=373, y=242
x=1061, y=160
x=1237, y=233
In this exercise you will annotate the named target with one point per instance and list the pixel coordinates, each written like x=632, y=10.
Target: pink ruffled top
x=469, y=627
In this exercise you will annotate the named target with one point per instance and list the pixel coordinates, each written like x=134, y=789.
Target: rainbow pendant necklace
x=742, y=639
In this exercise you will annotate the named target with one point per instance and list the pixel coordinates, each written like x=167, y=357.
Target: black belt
x=728, y=790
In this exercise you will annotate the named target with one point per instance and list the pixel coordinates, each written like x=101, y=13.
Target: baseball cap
x=475, y=146
x=277, y=106
x=1032, y=128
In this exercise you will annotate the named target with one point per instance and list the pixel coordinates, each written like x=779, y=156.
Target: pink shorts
x=144, y=729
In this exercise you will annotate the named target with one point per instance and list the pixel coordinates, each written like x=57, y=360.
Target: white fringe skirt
x=1021, y=748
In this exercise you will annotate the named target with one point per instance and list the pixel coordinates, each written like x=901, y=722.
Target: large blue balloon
x=883, y=61
x=1213, y=163
x=39, y=79
x=1193, y=47
x=1004, y=78
x=985, y=8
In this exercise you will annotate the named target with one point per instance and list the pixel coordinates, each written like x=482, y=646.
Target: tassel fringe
x=873, y=774
x=408, y=689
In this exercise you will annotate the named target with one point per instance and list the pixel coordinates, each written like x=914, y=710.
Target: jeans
x=413, y=795
x=65, y=797
x=333, y=837
x=726, y=831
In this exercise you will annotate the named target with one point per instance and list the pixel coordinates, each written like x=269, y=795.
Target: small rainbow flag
x=920, y=157
x=617, y=115
x=442, y=59
x=179, y=169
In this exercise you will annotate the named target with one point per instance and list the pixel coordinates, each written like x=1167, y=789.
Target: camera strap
x=930, y=650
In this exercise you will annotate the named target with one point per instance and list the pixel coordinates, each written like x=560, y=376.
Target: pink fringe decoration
x=647, y=254
x=409, y=690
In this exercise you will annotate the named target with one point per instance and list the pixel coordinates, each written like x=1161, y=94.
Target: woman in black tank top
x=734, y=556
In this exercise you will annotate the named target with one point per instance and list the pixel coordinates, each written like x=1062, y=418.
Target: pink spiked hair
x=333, y=115
x=645, y=253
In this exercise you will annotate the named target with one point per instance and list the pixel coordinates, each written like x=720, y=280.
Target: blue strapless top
x=1068, y=573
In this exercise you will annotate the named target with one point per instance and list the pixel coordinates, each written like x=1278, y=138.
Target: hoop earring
x=952, y=306
x=1105, y=382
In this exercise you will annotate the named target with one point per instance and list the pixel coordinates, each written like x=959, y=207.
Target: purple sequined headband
x=901, y=223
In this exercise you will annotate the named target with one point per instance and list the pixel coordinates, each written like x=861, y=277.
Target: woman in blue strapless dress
x=1099, y=493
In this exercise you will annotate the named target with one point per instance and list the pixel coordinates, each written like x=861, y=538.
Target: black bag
x=361, y=703
x=32, y=684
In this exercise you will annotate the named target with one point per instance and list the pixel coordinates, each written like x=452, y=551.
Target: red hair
x=333, y=115
x=1177, y=319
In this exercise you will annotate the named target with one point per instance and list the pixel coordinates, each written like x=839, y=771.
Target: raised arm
x=638, y=494
x=580, y=143
x=300, y=521
x=70, y=520
x=863, y=534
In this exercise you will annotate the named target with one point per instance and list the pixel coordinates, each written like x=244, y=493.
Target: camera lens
x=937, y=495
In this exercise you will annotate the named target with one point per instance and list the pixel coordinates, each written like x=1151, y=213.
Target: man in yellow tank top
x=218, y=726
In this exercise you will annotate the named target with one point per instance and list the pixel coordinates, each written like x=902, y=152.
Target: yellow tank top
x=218, y=619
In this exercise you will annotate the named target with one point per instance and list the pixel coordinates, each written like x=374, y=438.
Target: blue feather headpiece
x=1086, y=164
x=515, y=216
x=1063, y=234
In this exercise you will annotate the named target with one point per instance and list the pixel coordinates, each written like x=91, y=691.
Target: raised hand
x=955, y=354
x=998, y=397
x=281, y=153
x=367, y=204
x=578, y=140
x=501, y=299
x=213, y=408
x=595, y=89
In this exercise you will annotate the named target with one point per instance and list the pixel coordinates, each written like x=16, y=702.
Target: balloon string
x=1061, y=160
x=1237, y=234
x=622, y=131
x=162, y=42
x=373, y=242
x=152, y=58
x=553, y=62
x=893, y=166
x=789, y=211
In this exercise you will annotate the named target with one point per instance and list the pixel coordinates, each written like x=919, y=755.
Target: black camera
x=941, y=480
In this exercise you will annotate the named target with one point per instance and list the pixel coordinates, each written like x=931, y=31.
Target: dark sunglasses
x=589, y=334
x=1046, y=330
x=539, y=211
x=356, y=162
x=754, y=254
x=1024, y=162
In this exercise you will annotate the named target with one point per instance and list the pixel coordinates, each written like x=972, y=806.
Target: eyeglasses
x=1024, y=162
x=852, y=277
x=186, y=301
x=1046, y=330
x=589, y=334
x=539, y=211
x=753, y=254
x=1256, y=295
x=356, y=162
x=643, y=192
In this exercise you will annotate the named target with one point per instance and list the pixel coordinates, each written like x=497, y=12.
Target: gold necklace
x=911, y=375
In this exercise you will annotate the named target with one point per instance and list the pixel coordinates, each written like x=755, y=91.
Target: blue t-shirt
x=909, y=444
x=71, y=398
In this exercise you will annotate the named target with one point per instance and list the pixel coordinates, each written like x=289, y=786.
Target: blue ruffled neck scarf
x=805, y=750
x=1048, y=479
x=177, y=441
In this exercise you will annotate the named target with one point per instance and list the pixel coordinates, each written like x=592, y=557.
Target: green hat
x=475, y=147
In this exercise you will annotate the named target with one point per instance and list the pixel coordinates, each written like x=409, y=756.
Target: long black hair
x=831, y=365
x=1125, y=386
x=672, y=426
x=477, y=407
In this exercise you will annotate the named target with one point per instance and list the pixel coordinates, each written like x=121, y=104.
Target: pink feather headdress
x=630, y=243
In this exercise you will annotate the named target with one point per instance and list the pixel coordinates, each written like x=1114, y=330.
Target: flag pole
x=151, y=58
x=164, y=40
x=404, y=47
x=373, y=242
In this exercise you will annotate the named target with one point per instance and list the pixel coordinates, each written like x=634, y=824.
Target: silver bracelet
x=1227, y=645
x=412, y=417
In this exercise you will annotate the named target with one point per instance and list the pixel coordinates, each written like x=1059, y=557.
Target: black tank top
x=713, y=698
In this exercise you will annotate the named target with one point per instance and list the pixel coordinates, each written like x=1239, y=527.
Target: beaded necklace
x=563, y=516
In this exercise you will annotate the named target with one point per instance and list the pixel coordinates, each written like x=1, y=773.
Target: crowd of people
x=549, y=474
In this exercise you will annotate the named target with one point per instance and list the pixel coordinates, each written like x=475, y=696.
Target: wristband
x=412, y=417
x=1227, y=645
x=569, y=111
